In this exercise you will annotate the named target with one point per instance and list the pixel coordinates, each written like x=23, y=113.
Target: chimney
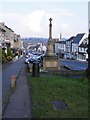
x=60, y=36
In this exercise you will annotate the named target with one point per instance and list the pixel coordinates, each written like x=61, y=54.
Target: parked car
x=33, y=58
x=28, y=55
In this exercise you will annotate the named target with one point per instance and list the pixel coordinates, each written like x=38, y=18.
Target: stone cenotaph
x=51, y=61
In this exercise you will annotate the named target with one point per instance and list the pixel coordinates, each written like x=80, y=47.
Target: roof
x=71, y=38
x=2, y=29
x=61, y=42
x=78, y=38
x=83, y=45
x=9, y=28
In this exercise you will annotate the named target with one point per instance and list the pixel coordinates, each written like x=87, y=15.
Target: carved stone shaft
x=50, y=49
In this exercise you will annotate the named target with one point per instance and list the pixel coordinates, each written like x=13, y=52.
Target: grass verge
x=47, y=89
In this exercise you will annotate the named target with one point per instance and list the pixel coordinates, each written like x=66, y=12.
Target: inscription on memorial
x=51, y=64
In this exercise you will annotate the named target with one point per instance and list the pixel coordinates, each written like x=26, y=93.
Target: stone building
x=9, y=39
x=6, y=36
x=2, y=34
x=18, y=43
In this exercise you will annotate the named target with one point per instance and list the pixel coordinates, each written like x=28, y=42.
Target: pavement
x=10, y=69
x=19, y=105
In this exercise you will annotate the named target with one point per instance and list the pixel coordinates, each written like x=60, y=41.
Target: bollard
x=35, y=69
x=13, y=81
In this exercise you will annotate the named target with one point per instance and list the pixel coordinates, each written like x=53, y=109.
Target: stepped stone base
x=51, y=63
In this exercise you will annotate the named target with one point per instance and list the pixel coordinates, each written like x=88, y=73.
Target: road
x=15, y=68
x=7, y=72
x=74, y=64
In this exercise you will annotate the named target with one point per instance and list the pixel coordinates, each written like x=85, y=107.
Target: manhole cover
x=59, y=105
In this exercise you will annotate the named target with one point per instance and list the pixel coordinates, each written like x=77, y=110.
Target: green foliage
x=8, y=56
x=4, y=59
x=9, y=53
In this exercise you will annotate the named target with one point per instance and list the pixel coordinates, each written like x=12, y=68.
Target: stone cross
x=50, y=49
x=50, y=29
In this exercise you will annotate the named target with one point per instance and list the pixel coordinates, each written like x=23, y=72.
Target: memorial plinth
x=51, y=61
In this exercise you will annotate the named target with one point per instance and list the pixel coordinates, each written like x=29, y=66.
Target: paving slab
x=19, y=105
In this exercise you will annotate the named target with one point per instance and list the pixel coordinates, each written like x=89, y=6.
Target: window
x=83, y=57
x=84, y=50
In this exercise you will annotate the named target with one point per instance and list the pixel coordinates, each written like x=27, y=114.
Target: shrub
x=3, y=56
x=9, y=52
x=9, y=58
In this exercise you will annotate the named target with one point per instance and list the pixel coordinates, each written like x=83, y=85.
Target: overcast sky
x=31, y=19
